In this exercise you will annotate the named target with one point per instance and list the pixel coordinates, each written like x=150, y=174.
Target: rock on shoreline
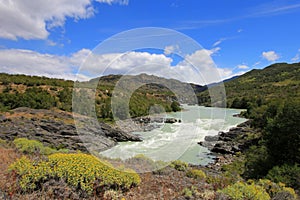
x=226, y=145
x=142, y=124
x=57, y=129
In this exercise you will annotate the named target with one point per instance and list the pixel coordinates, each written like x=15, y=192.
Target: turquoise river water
x=178, y=141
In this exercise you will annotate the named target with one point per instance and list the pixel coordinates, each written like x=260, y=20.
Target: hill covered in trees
x=260, y=86
x=45, y=93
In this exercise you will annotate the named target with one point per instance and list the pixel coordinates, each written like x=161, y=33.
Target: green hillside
x=272, y=99
x=260, y=86
x=46, y=93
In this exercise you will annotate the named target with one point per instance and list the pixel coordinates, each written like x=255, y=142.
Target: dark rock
x=2, y=118
x=209, y=138
x=207, y=144
x=170, y=120
x=229, y=142
x=222, y=148
x=282, y=195
x=49, y=127
x=53, y=128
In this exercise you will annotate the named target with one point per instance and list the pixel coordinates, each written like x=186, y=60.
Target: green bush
x=32, y=146
x=196, y=174
x=190, y=192
x=179, y=165
x=28, y=146
x=187, y=192
x=288, y=174
x=236, y=168
x=81, y=171
x=244, y=191
x=175, y=106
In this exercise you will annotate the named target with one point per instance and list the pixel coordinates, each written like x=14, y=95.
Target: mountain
x=224, y=81
x=275, y=82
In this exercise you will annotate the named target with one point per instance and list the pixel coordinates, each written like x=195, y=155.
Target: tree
x=283, y=134
x=175, y=106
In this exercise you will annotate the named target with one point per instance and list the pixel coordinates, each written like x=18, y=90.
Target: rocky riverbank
x=142, y=124
x=226, y=145
x=57, y=129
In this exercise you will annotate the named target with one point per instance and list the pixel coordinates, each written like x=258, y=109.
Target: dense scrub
x=81, y=171
x=45, y=93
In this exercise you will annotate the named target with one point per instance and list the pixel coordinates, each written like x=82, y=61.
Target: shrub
x=236, y=168
x=81, y=171
x=219, y=181
x=32, y=146
x=28, y=146
x=196, y=174
x=288, y=174
x=179, y=165
x=275, y=189
x=190, y=192
x=187, y=192
x=244, y=191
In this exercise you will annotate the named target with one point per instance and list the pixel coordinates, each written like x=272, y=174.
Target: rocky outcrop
x=231, y=142
x=57, y=129
x=225, y=145
x=142, y=124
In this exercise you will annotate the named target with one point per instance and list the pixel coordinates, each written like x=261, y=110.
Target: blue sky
x=54, y=37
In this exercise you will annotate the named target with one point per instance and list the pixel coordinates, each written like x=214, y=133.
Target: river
x=178, y=141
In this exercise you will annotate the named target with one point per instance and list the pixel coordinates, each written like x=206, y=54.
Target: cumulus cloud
x=171, y=49
x=197, y=67
x=30, y=19
x=129, y=63
x=33, y=19
x=270, y=56
x=20, y=61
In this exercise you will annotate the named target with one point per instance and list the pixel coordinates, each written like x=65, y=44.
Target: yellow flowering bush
x=244, y=191
x=81, y=171
x=274, y=189
x=196, y=174
x=179, y=165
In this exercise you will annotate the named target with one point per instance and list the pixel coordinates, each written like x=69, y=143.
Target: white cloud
x=242, y=67
x=121, y=2
x=51, y=43
x=20, y=61
x=34, y=19
x=297, y=57
x=270, y=56
x=197, y=67
x=30, y=19
x=256, y=64
x=171, y=49
x=129, y=63
x=219, y=42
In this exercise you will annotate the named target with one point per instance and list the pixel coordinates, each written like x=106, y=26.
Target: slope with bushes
x=272, y=99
